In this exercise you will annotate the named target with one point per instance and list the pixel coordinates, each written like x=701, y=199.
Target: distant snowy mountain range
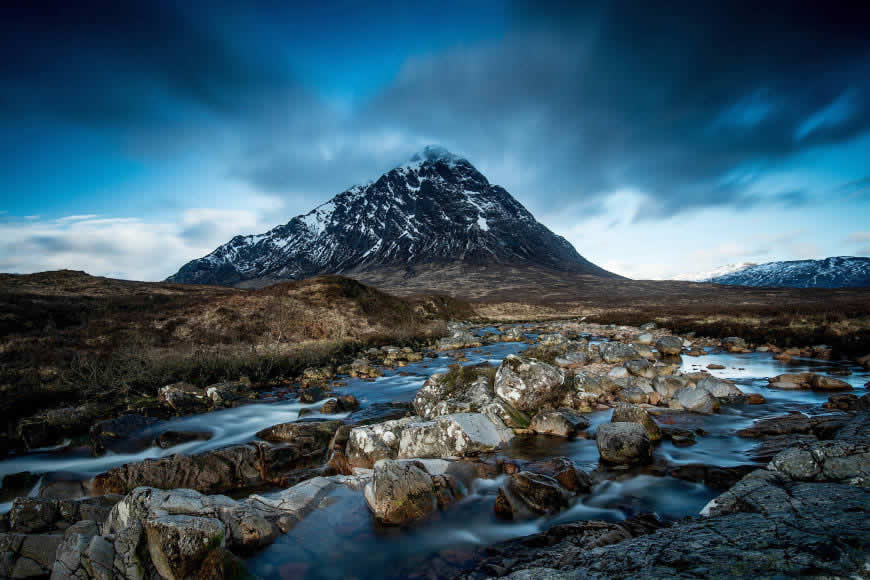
x=435, y=209
x=836, y=272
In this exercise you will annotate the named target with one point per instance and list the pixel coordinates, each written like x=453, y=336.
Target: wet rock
x=459, y=339
x=823, y=383
x=669, y=386
x=543, y=487
x=528, y=384
x=796, y=381
x=117, y=435
x=641, y=368
x=216, y=471
x=696, y=400
x=443, y=394
x=679, y=437
x=617, y=352
x=649, y=326
x=864, y=361
x=456, y=435
x=713, y=476
x=404, y=491
x=721, y=389
x=635, y=414
x=842, y=402
x=734, y=344
x=618, y=373
x=669, y=345
x=624, y=443
x=561, y=422
x=172, y=438
x=820, y=426
x=571, y=360
x=715, y=366
x=645, y=339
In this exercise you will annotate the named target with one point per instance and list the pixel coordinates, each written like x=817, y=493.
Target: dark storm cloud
x=128, y=63
x=690, y=103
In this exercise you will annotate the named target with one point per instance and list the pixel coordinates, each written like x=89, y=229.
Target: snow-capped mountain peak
x=834, y=272
x=437, y=208
x=715, y=272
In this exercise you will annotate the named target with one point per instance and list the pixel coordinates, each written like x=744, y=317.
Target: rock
x=669, y=386
x=864, y=361
x=561, y=422
x=669, y=345
x=618, y=373
x=641, y=368
x=513, y=334
x=171, y=438
x=116, y=435
x=33, y=514
x=541, y=488
x=715, y=367
x=182, y=397
x=404, y=491
x=221, y=564
x=571, y=360
x=843, y=402
x=755, y=399
x=617, y=352
x=624, y=443
x=28, y=556
x=696, y=400
x=368, y=444
x=721, y=389
x=459, y=339
x=838, y=461
x=216, y=471
x=649, y=326
x=823, y=383
x=318, y=431
x=463, y=389
x=455, y=435
x=645, y=339
x=634, y=414
x=734, y=344
x=528, y=384
x=679, y=437
x=821, y=426
x=178, y=544
x=713, y=476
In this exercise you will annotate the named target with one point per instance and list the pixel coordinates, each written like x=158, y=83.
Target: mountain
x=435, y=209
x=837, y=272
x=715, y=273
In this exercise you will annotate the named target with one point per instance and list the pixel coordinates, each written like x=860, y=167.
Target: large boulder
x=369, y=443
x=178, y=544
x=456, y=435
x=635, y=414
x=669, y=345
x=617, y=352
x=624, y=443
x=560, y=422
x=529, y=384
x=404, y=491
x=182, y=398
x=462, y=389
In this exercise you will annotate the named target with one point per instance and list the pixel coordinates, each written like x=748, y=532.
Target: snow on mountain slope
x=437, y=208
x=836, y=272
x=720, y=271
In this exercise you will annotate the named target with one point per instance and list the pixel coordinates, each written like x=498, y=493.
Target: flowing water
x=341, y=540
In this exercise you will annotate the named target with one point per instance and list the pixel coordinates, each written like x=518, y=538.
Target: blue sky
x=137, y=136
